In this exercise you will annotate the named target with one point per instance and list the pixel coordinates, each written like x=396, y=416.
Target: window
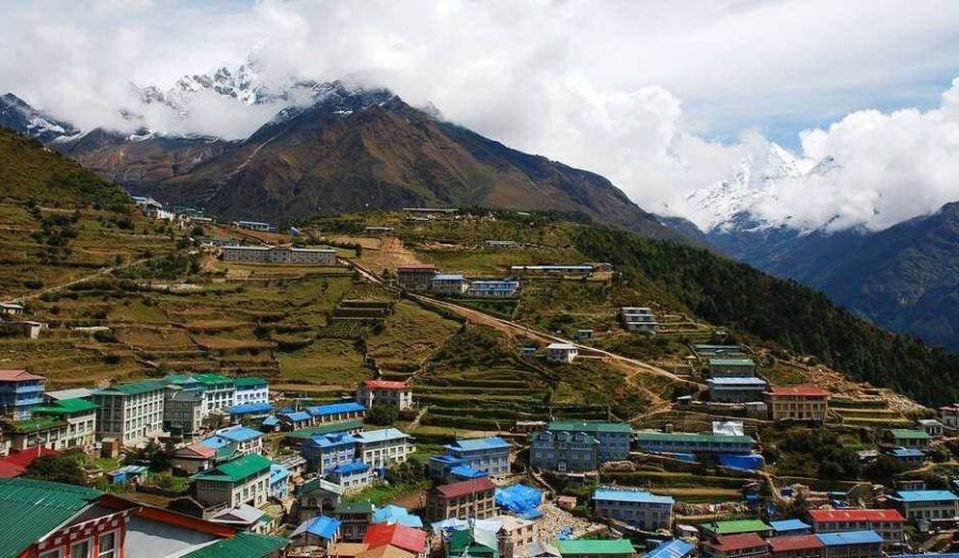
x=51, y=554
x=81, y=549
x=108, y=545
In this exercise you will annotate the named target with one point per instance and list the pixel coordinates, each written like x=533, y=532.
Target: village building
x=279, y=487
x=245, y=518
x=852, y=544
x=488, y=455
x=613, y=437
x=251, y=390
x=298, y=437
x=565, y=353
x=130, y=413
x=250, y=411
x=747, y=545
x=736, y=389
x=449, y=284
x=515, y=535
x=254, y=226
x=11, y=309
x=705, y=350
x=80, y=417
x=279, y=255
x=796, y=546
x=315, y=536
x=390, y=536
x=353, y=476
x=907, y=438
x=932, y=427
x=335, y=412
x=393, y=514
x=182, y=410
x=687, y=442
x=949, y=415
x=676, y=548
x=639, y=508
x=241, y=439
x=46, y=432
x=799, y=403
x=790, y=527
x=572, y=452
x=316, y=497
x=378, y=231
x=327, y=452
x=385, y=392
x=910, y=457
x=638, y=318
x=355, y=518
x=196, y=457
x=727, y=367
x=888, y=523
x=463, y=500
x=595, y=548
x=244, y=480
x=416, y=277
x=385, y=447
x=717, y=529
x=20, y=391
x=573, y=269
x=493, y=288
x=935, y=506
x=219, y=392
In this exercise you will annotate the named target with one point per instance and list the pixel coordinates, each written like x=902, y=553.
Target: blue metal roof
x=467, y=473
x=671, y=549
x=380, y=435
x=907, y=452
x=352, y=468
x=324, y=527
x=278, y=473
x=446, y=459
x=336, y=408
x=239, y=434
x=449, y=277
x=247, y=408
x=476, y=444
x=215, y=442
x=850, y=538
x=789, y=525
x=271, y=421
x=332, y=440
x=640, y=496
x=297, y=416
x=395, y=514
x=926, y=495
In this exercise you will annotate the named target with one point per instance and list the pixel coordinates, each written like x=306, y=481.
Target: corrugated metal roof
x=238, y=469
x=736, y=526
x=30, y=509
x=242, y=545
x=887, y=515
x=749, y=382
x=671, y=549
x=595, y=546
x=850, y=538
x=407, y=538
x=250, y=382
x=926, y=495
x=626, y=495
x=794, y=542
x=249, y=408
x=352, y=468
x=329, y=428
x=133, y=389
x=66, y=406
x=336, y=408
x=589, y=426
x=476, y=444
x=789, y=525
x=693, y=438
x=380, y=435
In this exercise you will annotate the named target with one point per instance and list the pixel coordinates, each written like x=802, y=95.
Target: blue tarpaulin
x=752, y=462
x=519, y=498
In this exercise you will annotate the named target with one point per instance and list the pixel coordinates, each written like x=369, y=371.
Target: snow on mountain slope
x=736, y=202
x=16, y=114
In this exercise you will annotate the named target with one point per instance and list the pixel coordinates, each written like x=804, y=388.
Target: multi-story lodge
x=80, y=416
x=385, y=392
x=613, y=437
x=639, y=508
x=731, y=367
x=802, y=403
x=908, y=437
x=571, y=269
x=243, y=440
x=325, y=453
x=638, y=318
x=887, y=522
x=736, y=389
x=931, y=505
x=564, y=451
x=130, y=413
x=251, y=390
x=382, y=448
x=20, y=391
x=596, y=548
x=182, y=410
x=852, y=544
x=279, y=255
x=489, y=455
x=746, y=545
x=686, y=442
x=493, y=288
x=219, y=392
x=949, y=415
x=449, y=283
x=416, y=277
x=245, y=480
x=796, y=546
x=463, y=500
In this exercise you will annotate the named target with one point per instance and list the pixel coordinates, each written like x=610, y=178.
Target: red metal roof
x=857, y=515
x=16, y=463
x=200, y=450
x=401, y=536
x=738, y=542
x=18, y=376
x=385, y=384
x=463, y=488
x=790, y=543
x=800, y=391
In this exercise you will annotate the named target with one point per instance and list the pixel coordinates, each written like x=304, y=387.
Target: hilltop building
x=385, y=392
x=449, y=284
x=416, y=277
x=638, y=318
x=801, y=403
x=463, y=500
x=488, y=455
x=493, y=288
x=642, y=509
x=887, y=522
x=130, y=413
x=244, y=480
x=565, y=353
x=686, y=442
x=382, y=448
x=279, y=255
x=736, y=389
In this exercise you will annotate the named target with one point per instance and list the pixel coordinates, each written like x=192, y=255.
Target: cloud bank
x=641, y=92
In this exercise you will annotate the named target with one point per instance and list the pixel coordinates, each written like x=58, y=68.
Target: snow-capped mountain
x=16, y=114
x=733, y=202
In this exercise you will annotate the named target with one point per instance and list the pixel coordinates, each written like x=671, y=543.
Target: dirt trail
x=85, y=278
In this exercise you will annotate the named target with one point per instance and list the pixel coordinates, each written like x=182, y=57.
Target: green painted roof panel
x=242, y=545
x=236, y=470
x=590, y=426
x=594, y=546
x=29, y=509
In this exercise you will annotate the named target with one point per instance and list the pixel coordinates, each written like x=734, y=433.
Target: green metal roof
x=908, y=434
x=29, y=509
x=354, y=507
x=133, y=389
x=66, y=407
x=590, y=426
x=250, y=381
x=342, y=426
x=731, y=362
x=737, y=526
x=594, y=546
x=695, y=438
x=236, y=470
x=242, y=545
x=212, y=379
x=34, y=424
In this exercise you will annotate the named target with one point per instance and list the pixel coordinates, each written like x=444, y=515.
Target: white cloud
x=632, y=90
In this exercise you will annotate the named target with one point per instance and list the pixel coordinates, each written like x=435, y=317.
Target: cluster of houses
x=13, y=322
x=424, y=277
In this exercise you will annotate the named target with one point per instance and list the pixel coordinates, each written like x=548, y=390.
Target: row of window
x=108, y=547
